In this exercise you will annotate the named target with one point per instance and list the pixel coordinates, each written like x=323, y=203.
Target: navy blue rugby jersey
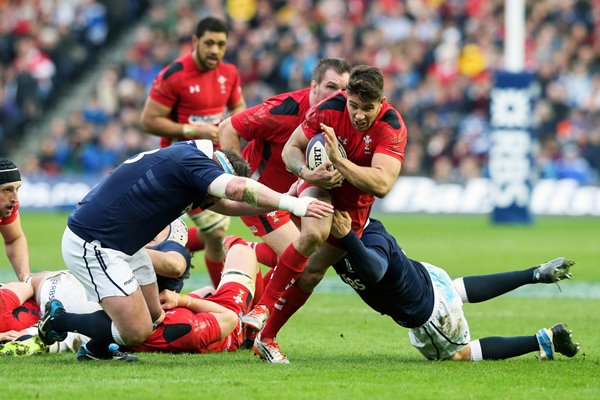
x=404, y=291
x=129, y=207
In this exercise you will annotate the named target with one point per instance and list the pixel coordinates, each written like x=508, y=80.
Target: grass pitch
x=341, y=349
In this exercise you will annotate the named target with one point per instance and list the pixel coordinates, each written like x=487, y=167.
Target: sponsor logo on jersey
x=194, y=89
x=208, y=119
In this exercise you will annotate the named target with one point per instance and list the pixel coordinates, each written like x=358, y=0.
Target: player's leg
x=546, y=342
x=292, y=300
x=107, y=277
x=212, y=228
x=475, y=289
x=292, y=260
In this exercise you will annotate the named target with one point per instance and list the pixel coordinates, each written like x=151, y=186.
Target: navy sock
x=499, y=348
x=484, y=287
x=96, y=325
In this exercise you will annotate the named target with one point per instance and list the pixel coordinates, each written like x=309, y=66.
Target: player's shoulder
x=290, y=103
x=335, y=102
x=391, y=117
x=177, y=66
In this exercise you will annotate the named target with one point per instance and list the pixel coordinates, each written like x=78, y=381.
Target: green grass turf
x=340, y=349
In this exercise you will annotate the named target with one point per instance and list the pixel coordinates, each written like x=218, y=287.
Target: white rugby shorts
x=63, y=286
x=105, y=272
x=447, y=330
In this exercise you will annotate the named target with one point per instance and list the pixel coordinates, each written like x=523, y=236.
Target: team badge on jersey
x=367, y=139
x=222, y=80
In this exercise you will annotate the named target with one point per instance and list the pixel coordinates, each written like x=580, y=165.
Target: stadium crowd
x=438, y=59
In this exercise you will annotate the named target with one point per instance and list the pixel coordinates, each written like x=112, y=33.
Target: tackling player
x=423, y=298
x=374, y=137
x=103, y=244
x=187, y=101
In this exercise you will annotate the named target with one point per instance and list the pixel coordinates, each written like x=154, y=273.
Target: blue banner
x=511, y=151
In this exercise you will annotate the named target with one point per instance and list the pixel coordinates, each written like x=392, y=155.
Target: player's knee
x=134, y=337
x=312, y=238
x=309, y=280
x=463, y=354
x=228, y=321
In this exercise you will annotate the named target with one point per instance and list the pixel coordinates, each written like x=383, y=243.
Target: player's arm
x=248, y=191
x=368, y=263
x=378, y=179
x=238, y=107
x=170, y=264
x=295, y=162
x=17, y=251
x=226, y=318
x=229, y=137
x=156, y=120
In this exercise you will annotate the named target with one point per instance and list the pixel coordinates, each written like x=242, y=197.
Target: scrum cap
x=8, y=171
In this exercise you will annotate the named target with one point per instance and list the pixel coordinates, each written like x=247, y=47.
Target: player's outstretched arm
x=256, y=194
x=368, y=263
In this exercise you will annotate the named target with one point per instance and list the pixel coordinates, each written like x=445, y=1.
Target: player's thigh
x=282, y=237
x=447, y=330
x=130, y=315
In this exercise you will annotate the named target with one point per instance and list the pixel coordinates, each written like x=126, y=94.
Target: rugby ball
x=315, y=151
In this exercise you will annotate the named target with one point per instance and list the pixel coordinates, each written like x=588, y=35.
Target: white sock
x=459, y=285
x=475, y=350
x=116, y=335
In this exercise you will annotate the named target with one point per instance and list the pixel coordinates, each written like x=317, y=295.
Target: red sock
x=267, y=277
x=259, y=288
x=214, y=269
x=194, y=243
x=290, y=266
x=265, y=254
x=283, y=311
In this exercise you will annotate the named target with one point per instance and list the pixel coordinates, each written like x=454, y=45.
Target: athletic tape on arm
x=219, y=185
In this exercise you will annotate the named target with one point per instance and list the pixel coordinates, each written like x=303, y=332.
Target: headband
x=225, y=163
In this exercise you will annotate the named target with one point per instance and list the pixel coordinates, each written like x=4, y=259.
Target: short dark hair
x=211, y=24
x=366, y=82
x=239, y=165
x=339, y=65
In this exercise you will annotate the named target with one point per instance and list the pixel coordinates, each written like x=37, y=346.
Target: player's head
x=176, y=231
x=365, y=96
x=210, y=42
x=10, y=182
x=232, y=162
x=329, y=76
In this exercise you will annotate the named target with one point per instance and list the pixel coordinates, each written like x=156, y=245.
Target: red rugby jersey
x=386, y=135
x=194, y=95
x=267, y=127
x=16, y=316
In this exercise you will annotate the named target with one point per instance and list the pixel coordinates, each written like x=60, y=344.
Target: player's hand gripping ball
x=316, y=154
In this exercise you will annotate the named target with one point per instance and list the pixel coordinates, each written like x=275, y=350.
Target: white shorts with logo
x=447, y=330
x=105, y=272
x=62, y=285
